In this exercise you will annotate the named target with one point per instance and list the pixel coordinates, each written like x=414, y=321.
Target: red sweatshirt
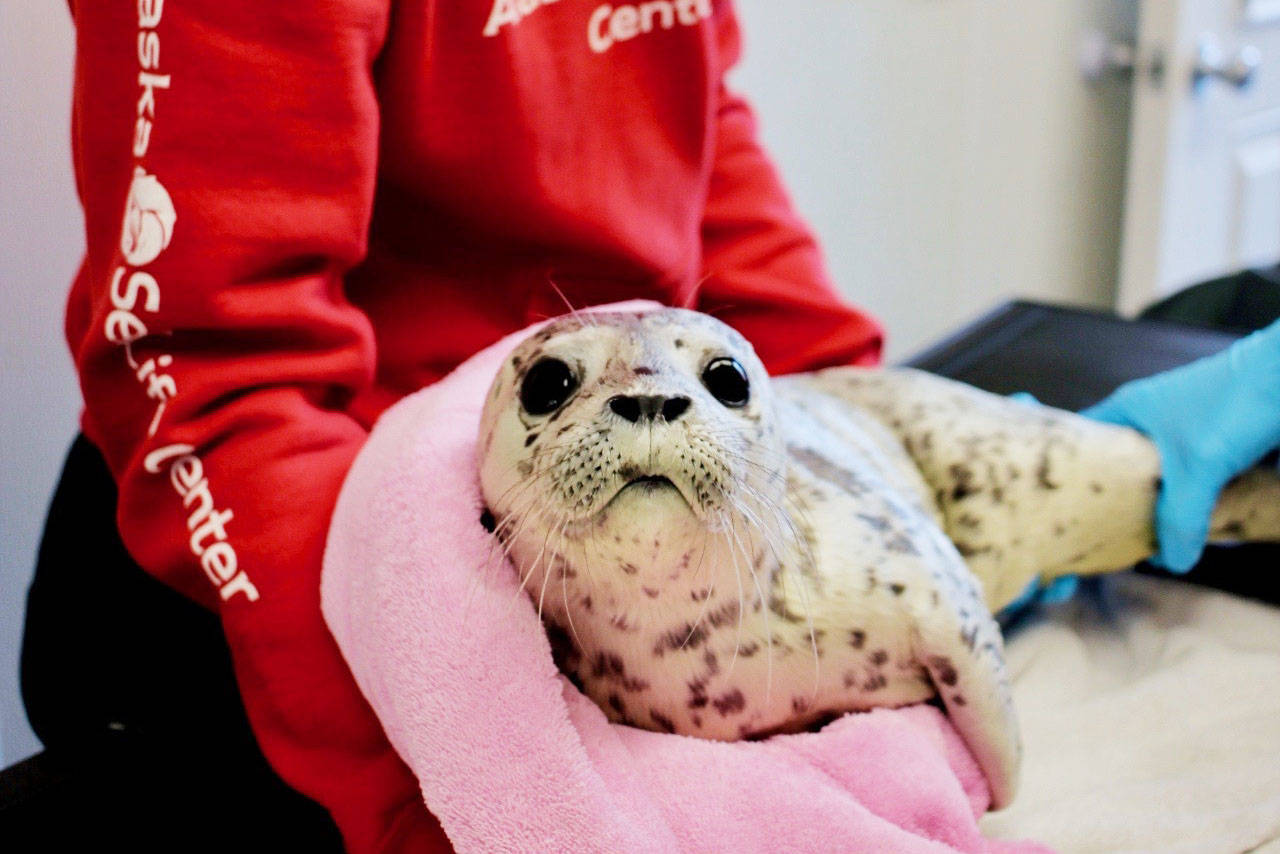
x=299, y=212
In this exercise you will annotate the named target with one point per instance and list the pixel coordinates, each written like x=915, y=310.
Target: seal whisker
x=546, y=571
x=764, y=606
x=781, y=577
x=737, y=576
x=568, y=610
x=702, y=613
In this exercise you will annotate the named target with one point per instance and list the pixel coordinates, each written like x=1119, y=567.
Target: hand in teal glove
x=1210, y=420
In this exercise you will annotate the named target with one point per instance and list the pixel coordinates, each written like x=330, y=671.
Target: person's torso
x=534, y=155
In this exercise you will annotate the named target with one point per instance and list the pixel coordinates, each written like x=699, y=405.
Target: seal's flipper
x=959, y=644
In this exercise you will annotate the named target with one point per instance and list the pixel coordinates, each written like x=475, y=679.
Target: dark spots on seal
x=629, y=569
x=875, y=682
x=1059, y=529
x=608, y=664
x=880, y=657
x=643, y=371
x=968, y=550
x=712, y=663
x=963, y=485
x=564, y=651
x=622, y=624
x=726, y=614
x=877, y=523
x=1042, y=472
x=779, y=607
x=898, y=589
x=586, y=604
x=666, y=724
x=651, y=592
x=697, y=720
x=901, y=544
x=700, y=595
x=679, y=343
x=530, y=439
x=799, y=705
x=825, y=469
x=1234, y=529
x=1096, y=488
x=748, y=649
x=958, y=699
x=857, y=637
x=487, y=521
x=730, y=703
x=944, y=670
x=698, y=694
x=615, y=703
x=686, y=637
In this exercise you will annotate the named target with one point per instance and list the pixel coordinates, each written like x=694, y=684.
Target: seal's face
x=654, y=428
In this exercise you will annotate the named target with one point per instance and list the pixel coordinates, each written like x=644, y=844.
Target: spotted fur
x=836, y=544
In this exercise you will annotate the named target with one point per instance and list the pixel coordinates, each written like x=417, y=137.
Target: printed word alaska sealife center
x=145, y=234
x=609, y=25
x=206, y=524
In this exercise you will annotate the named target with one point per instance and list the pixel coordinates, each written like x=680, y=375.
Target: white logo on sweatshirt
x=149, y=217
x=511, y=12
x=148, y=220
x=608, y=24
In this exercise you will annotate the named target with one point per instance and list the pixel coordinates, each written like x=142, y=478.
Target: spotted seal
x=723, y=555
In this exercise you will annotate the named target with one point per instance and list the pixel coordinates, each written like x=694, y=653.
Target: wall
x=947, y=152
x=944, y=150
x=40, y=247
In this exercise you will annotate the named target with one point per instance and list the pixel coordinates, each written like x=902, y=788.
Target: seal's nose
x=647, y=407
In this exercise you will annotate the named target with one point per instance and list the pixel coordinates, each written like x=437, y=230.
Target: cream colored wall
x=40, y=246
x=947, y=152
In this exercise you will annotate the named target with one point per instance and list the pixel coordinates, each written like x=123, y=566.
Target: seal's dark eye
x=546, y=387
x=726, y=379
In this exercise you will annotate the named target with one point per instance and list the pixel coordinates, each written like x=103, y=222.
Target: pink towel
x=511, y=757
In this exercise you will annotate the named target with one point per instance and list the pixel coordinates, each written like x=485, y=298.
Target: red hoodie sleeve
x=764, y=272
x=225, y=154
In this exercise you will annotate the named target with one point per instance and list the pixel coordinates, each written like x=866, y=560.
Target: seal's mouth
x=650, y=481
x=649, y=486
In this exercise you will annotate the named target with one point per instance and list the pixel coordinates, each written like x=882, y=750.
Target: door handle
x=1212, y=63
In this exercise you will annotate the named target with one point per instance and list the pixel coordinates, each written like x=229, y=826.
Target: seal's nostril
x=627, y=407
x=647, y=407
x=674, y=408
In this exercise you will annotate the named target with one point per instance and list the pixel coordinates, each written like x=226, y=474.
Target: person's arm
x=764, y=272
x=225, y=155
x=1211, y=420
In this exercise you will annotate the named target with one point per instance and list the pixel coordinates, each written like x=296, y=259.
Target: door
x=1203, y=193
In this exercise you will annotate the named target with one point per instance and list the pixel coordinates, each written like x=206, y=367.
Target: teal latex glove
x=1211, y=420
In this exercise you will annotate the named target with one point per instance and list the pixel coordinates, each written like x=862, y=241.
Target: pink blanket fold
x=511, y=757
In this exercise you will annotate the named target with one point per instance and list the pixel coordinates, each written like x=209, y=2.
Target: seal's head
x=642, y=434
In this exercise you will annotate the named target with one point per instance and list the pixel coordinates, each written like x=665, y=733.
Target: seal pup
x=727, y=556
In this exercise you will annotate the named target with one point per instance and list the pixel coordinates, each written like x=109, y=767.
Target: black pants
x=130, y=687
